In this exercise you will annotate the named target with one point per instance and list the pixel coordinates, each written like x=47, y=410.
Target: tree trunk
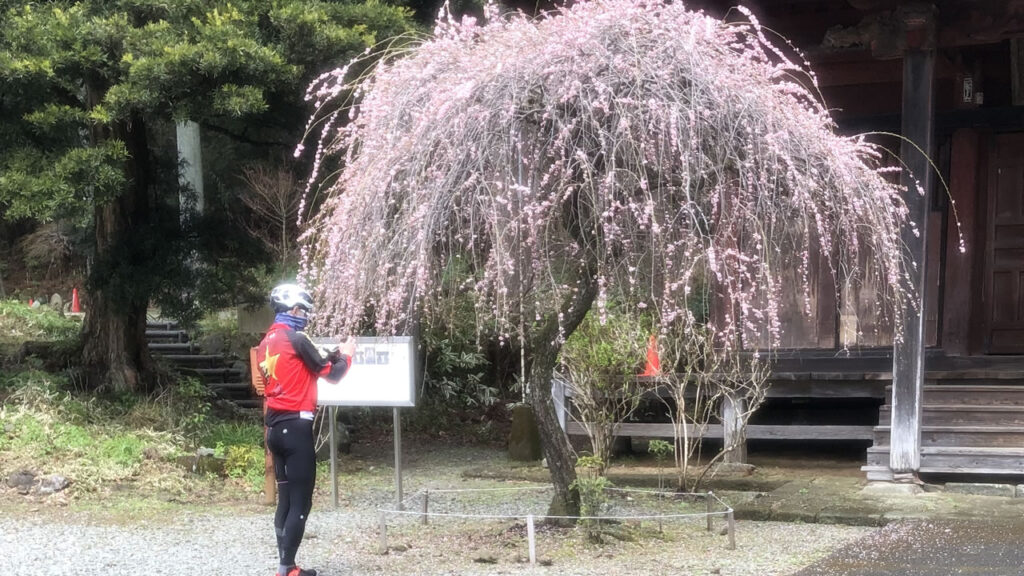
x=553, y=441
x=115, y=354
x=543, y=359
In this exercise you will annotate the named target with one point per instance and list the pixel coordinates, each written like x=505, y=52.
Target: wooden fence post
x=707, y=503
x=731, y=520
x=426, y=497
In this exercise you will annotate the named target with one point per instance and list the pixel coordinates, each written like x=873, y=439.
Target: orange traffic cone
x=75, y=306
x=653, y=366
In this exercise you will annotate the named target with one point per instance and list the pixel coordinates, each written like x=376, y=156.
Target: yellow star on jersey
x=269, y=365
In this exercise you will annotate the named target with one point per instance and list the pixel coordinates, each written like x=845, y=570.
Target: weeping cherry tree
x=616, y=147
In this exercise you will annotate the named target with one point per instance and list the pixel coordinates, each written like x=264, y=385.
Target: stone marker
x=204, y=461
x=524, y=437
x=22, y=480
x=53, y=483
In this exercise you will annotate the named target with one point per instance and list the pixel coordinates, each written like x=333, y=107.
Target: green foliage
x=87, y=67
x=590, y=463
x=608, y=349
x=92, y=90
x=83, y=438
x=240, y=443
x=247, y=462
x=454, y=366
x=95, y=440
x=661, y=450
x=234, y=433
x=193, y=402
x=601, y=359
x=18, y=323
x=123, y=450
x=592, y=487
x=455, y=372
x=222, y=327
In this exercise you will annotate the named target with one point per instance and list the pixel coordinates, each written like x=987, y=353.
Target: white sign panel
x=382, y=374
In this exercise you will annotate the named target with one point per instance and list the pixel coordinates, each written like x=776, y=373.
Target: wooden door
x=1004, y=258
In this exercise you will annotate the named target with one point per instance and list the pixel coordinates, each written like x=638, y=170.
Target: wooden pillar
x=734, y=432
x=917, y=127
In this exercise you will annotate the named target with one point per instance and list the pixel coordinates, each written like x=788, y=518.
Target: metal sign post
x=383, y=373
x=398, y=461
x=332, y=415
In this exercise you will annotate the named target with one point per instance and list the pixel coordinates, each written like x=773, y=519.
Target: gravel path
x=238, y=541
x=346, y=542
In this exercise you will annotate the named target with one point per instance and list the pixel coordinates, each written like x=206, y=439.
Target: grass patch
x=19, y=323
x=234, y=432
x=105, y=444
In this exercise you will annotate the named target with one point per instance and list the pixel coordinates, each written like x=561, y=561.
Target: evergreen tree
x=92, y=88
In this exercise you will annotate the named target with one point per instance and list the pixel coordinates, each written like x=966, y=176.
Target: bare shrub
x=49, y=248
x=272, y=196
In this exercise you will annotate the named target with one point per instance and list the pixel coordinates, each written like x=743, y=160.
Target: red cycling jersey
x=292, y=364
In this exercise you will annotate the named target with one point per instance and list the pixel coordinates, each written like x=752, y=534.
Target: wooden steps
x=959, y=460
x=966, y=436
x=226, y=377
x=965, y=429
x=964, y=415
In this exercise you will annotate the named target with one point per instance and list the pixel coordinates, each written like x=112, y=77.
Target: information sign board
x=382, y=373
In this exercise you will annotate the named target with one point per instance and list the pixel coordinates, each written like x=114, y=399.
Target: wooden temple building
x=947, y=75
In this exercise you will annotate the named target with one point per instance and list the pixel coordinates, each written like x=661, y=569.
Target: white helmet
x=284, y=297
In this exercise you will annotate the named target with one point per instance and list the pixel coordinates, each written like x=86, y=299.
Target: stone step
x=967, y=460
x=196, y=360
x=231, y=387
x=226, y=377
x=174, y=347
x=166, y=336
x=161, y=325
x=989, y=394
x=215, y=376
x=963, y=436
x=964, y=415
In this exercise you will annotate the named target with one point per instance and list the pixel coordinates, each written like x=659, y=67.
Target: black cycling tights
x=291, y=443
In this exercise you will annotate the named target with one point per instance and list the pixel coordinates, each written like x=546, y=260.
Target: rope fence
x=710, y=499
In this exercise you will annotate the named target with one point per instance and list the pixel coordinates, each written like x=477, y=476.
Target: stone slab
x=795, y=510
x=757, y=508
x=852, y=514
x=981, y=489
x=891, y=489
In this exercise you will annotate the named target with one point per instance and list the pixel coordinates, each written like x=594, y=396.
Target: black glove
x=335, y=356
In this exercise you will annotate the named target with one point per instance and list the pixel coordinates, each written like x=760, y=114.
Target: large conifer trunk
x=115, y=354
